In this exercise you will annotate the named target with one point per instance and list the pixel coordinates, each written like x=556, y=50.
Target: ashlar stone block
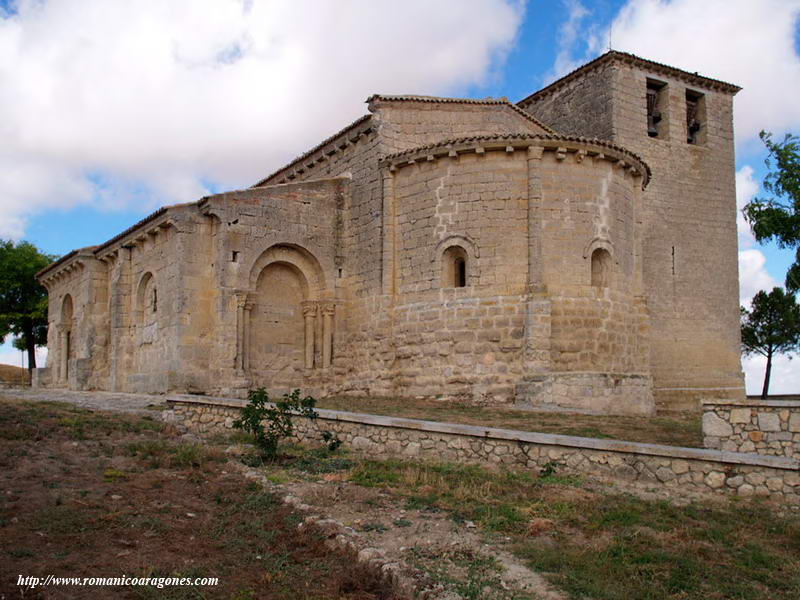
x=769, y=421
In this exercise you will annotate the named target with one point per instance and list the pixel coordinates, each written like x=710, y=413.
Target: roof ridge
x=501, y=101
x=433, y=99
x=308, y=153
x=618, y=54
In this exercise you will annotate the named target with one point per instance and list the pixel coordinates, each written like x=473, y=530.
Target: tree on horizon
x=770, y=327
x=23, y=300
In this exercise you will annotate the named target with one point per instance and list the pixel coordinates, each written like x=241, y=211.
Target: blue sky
x=108, y=113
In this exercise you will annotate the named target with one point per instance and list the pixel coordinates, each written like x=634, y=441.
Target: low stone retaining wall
x=770, y=427
x=680, y=471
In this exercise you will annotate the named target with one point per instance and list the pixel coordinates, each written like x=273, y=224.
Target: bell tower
x=681, y=124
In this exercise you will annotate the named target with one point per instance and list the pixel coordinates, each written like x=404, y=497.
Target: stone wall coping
x=754, y=403
x=550, y=439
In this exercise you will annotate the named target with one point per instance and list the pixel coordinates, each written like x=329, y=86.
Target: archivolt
x=599, y=242
x=464, y=241
x=470, y=248
x=299, y=258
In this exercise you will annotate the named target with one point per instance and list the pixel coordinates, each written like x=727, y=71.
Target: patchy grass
x=159, y=453
x=86, y=494
x=299, y=460
x=624, y=547
x=594, y=544
x=35, y=421
x=675, y=430
x=495, y=499
x=472, y=575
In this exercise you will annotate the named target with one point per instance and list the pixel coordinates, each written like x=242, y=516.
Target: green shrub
x=277, y=416
x=331, y=440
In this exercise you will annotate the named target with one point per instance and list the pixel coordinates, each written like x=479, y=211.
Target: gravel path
x=112, y=401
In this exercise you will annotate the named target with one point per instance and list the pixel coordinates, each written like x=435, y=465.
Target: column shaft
x=309, y=317
x=64, y=349
x=246, y=341
x=239, y=361
x=327, y=335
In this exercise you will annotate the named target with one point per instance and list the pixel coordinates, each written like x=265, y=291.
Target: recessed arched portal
x=277, y=338
x=281, y=317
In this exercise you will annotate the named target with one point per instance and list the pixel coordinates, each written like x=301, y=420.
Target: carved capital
x=327, y=308
x=241, y=299
x=309, y=308
x=534, y=152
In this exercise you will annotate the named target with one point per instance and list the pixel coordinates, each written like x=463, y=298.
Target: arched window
x=454, y=267
x=601, y=268
x=66, y=311
x=147, y=299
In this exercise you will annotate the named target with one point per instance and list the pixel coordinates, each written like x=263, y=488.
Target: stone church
x=575, y=251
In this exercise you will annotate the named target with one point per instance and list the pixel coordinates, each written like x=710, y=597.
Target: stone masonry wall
x=251, y=232
x=680, y=472
x=407, y=122
x=766, y=427
x=690, y=247
x=589, y=96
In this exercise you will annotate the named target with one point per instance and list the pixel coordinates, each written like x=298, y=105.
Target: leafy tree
x=23, y=302
x=778, y=217
x=772, y=326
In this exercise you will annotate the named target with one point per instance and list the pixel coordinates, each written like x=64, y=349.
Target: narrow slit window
x=461, y=272
x=155, y=300
x=656, y=105
x=695, y=117
x=673, y=260
x=234, y=256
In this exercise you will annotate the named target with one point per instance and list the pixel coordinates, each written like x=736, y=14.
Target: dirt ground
x=87, y=494
x=453, y=551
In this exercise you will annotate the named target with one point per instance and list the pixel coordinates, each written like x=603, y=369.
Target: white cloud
x=784, y=379
x=750, y=44
x=153, y=98
x=753, y=276
x=568, y=36
x=746, y=190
